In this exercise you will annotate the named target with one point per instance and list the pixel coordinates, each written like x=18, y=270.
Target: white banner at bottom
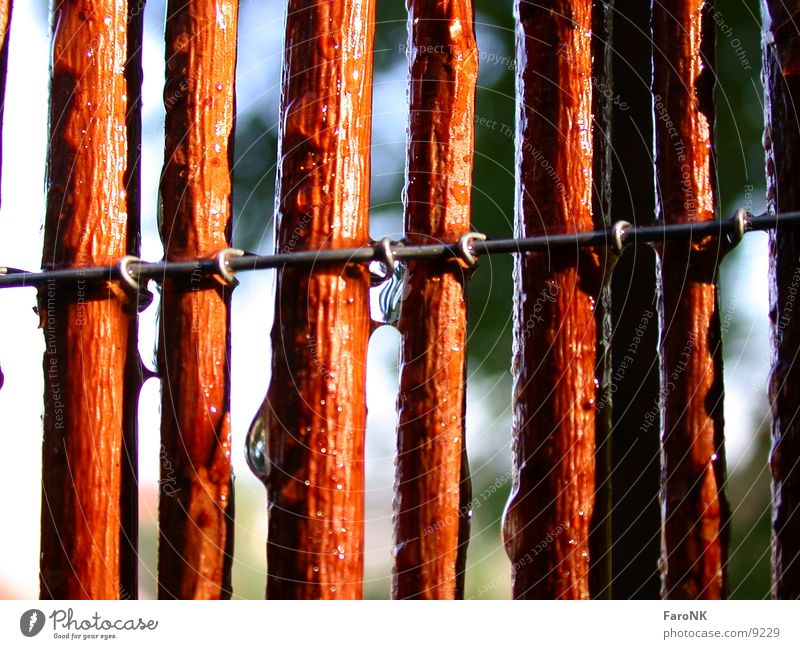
x=387, y=625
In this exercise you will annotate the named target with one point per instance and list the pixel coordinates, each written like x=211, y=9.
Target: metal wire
x=617, y=236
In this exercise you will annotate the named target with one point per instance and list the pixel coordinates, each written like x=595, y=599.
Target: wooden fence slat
x=600, y=538
x=195, y=495
x=86, y=328
x=636, y=515
x=782, y=141
x=432, y=482
x=694, y=507
x=310, y=429
x=134, y=369
x=547, y=520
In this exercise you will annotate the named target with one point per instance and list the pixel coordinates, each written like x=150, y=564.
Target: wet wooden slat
x=432, y=482
x=134, y=369
x=309, y=433
x=86, y=329
x=195, y=497
x=600, y=539
x=782, y=141
x=547, y=519
x=694, y=507
x=635, y=403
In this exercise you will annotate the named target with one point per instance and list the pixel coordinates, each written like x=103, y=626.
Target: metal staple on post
x=478, y=244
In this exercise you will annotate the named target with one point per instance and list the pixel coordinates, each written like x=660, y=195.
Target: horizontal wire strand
x=131, y=270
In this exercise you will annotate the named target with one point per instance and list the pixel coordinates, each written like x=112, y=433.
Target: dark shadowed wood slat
x=600, y=538
x=547, y=519
x=693, y=503
x=134, y=370
x=195, y=494
x=307, y=442
x=782, y=141
x=86, y=329
x=636, y=516
x=432, y=483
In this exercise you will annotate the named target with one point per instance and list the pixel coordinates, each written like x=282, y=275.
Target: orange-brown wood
x=782, y=141
x=694, y=508
x=195, y=499
x=86, y=328
x=547, y=520
x=432, y=483
x=309, y=433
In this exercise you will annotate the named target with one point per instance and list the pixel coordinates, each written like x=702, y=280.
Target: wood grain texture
x=547, y=519
x=432, y=490
x=694, y=508
x=86, y=328
x=195, y=496
x=312, y=420
x=782, y=142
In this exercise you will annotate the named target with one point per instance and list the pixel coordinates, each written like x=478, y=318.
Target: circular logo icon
x=31, y=622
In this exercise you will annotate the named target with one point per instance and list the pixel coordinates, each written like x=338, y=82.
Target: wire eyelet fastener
x=131, y=281
x=7, y=270
x=386, y=254
x=619, y=235
x=129, y=278
x=739, y=221
x=464, y=244
x=224, y=273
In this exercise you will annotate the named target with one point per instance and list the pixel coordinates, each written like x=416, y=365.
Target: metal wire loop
x=386, y=254
x=389, y=253
x=619, y=234
x=130, y=278
x=464, y=245
x=221, y=261
x=739, y=221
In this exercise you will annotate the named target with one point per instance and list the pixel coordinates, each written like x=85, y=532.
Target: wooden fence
x=307, y=440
